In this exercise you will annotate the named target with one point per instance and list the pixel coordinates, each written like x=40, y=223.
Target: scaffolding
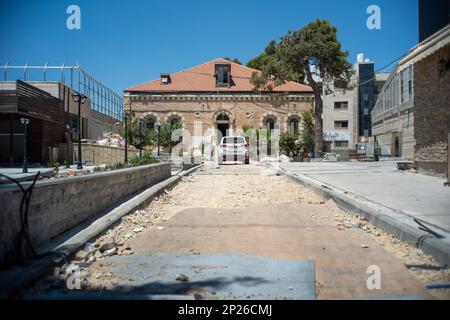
x=103, y=99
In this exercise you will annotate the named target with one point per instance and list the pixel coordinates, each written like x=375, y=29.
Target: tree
x=134, y=135
x=165, y=134
x=290, y=145
x=235, y=60
x=307, y=136
x=311, y=55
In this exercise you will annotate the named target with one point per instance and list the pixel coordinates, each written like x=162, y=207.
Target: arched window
x=270, y=124
x=150, y=122
x=174, y=120
x=294, y=126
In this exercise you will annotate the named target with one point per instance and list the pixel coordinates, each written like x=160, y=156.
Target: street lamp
x=125, y=118
x=25, y=122
x=158, y=127
x=68, y=147
x=80, y=99
x=141, y=121
x=170, y=138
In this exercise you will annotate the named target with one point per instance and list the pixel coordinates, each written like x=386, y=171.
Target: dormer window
x=223, y=75
x=165, y=78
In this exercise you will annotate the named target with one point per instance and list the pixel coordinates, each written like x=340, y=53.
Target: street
x=244, y=232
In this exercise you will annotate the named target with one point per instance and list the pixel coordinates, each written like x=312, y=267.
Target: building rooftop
x=202, y=79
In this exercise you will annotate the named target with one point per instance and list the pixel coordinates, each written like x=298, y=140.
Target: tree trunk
x=318, y=126
x=318, y=110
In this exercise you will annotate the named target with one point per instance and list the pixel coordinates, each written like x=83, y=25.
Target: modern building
x=411, y=118
x=340, y=127
x=345, y=112
x=46, y=99
x=216, y=99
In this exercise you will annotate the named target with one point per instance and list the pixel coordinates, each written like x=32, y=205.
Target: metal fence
x=103, y=99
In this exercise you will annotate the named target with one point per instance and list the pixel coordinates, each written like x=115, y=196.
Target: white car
x=233, y=149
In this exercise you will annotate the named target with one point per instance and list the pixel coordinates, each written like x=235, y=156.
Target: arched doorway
x=223, y=124
x=293, y=125
x=270, y=124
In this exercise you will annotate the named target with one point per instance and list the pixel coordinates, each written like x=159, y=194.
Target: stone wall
x=243, y=110
x=96, y=154
x=60, y=204
x=432, y=113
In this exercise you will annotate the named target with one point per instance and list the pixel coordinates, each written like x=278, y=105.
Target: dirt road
x=237, y=224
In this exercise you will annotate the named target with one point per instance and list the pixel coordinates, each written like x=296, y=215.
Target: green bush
x=144, y=160
x=289, y=145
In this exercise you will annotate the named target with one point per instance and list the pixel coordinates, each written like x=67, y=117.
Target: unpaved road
x=250, y=210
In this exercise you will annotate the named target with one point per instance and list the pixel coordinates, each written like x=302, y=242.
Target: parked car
x=234, y=149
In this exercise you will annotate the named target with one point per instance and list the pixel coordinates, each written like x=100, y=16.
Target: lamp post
x=80, y=99
x=141, y=121
x=125, y=118
x=170, y=139
x=158, y=127
x=68, y=147
x=25, y=122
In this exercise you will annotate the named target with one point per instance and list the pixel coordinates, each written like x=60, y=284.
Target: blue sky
x=124, y=43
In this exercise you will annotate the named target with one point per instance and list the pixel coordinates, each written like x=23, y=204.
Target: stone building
x=411, y=118
x=393, y=115
x=432, y=102
x=216, y=99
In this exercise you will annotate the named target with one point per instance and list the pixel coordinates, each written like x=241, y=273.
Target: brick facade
x=250, y=110
x=432, y=113
x=218, y=96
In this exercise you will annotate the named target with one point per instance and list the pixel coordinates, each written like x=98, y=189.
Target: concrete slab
x=220, y=276
x=286, y=233
x=390, y=199
x=415, y=195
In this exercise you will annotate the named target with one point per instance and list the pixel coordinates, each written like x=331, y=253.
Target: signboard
x=330, y=136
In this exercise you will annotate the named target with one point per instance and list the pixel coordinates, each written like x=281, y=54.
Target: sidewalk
x=395, y=195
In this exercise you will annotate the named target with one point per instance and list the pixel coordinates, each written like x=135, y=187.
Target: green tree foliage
x=150, y=136
x=306, y=55
x=235, y=60
x=147, y=158
x=290, y=145
x=134, y=135
x=307, y=135
x=168, y=130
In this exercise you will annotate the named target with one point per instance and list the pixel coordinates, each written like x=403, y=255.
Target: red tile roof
x=201, y=79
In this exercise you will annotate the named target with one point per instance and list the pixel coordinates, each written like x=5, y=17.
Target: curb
x=380, y=216
x=14, y=280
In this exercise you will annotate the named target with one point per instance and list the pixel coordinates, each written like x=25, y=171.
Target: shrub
x=289, y=145
x=144, y=160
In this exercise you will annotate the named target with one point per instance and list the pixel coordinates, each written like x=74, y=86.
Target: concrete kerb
x=387, y=219
x=12, y=281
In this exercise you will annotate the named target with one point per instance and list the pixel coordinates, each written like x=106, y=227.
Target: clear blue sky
x=124, y=43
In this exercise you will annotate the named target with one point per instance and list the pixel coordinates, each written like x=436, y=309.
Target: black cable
x=23, y=213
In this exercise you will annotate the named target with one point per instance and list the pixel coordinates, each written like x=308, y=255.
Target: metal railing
x=103, y=99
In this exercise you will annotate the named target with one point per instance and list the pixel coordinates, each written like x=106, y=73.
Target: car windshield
x=233, y=140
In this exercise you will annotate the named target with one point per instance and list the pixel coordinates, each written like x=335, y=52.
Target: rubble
x=182, y=277
x=110, y=252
